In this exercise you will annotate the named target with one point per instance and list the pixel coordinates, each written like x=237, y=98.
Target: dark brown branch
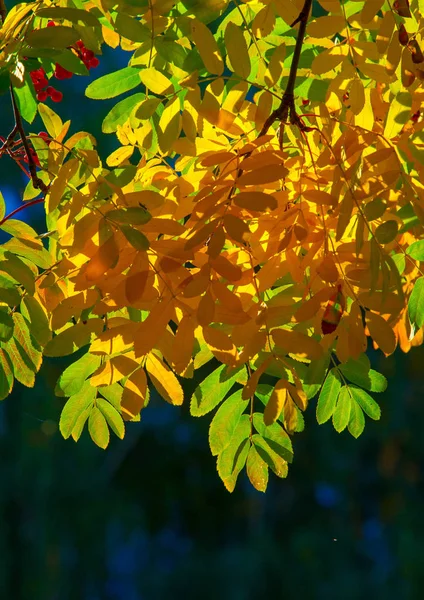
x=287, y=107
x=21, y=207
x=36, y=181
x=3, y=11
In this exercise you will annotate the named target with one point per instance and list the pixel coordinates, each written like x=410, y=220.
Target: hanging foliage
x=263, y=213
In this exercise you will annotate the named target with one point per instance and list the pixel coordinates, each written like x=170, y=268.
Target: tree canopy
x=260, y=222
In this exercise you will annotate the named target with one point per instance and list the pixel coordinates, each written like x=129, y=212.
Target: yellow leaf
x=207, y=47
x=183, y=346
x=255, y=201
x=327, y=26
x=357, y=96
x=276, y=402
x=237, y=52
x=59, y=185
x=164, y=380
x=52, y=121
x=295, y=342
x=113, y=370
x=156, y=81
x=120, y=155
x=266, y=174
x=105, y=257
x=221, y=345
x=135, y=394
x=319, y=197
x=381, y=332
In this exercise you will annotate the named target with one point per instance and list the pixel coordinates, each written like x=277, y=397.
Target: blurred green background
x=149, y=519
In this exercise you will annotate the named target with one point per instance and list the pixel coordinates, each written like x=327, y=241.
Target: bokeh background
x=149, y=519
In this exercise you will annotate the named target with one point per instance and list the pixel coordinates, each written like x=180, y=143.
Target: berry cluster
x=42, y=88
x=39, y=78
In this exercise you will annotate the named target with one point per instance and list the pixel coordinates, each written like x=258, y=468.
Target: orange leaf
x=276, y=402
x=381, y=332
x=255, y=201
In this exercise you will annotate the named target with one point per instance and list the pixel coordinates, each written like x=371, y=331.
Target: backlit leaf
x=225, y=422
x=98, y=429
x=328, y=396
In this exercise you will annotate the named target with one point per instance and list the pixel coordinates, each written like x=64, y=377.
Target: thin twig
x=21, y=207
x=8, y=141
x=36, y=181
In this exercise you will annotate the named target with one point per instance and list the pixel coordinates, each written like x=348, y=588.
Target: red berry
x=54, y=94
x=94, y=62
x=51, y=24
x=62, y=73
x=42, y=95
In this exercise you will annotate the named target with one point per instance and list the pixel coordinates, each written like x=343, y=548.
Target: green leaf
x=328, y=397
x=70, y=61
x=225, y=422
x=315, y=374
x=6, y=375
x=257, y=470
x=366, y=402
x=16, y=268
x=386, y=232
x=341, y=415
x=9, y=293
x=275, y=436
x=274, y=461
x=29, y=250
x=39, y=327
x=131, y=29
x=25, y=99
x=6, y=324
x=357, y=420
x=147, y=108
x=400, y=262
x=76, y=404
x=112, y=416
x=52, y=37
x=416, y=303
x=136, y=238
x=233, y=458
x=212, y=391
x=79, y=424
x=98, y=429
x=133, y=215
x=113, y=394
x=2, y=206
x=113, y=84
x=120, y=112
x=72, y=339
x=416, y=250
x=359, y=372
x=23, y=352
x=73, y=378
x=75, y=15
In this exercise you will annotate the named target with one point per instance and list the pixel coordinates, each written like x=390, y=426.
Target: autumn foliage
x=262, y=215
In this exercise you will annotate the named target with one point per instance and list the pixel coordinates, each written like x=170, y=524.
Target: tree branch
x=287, y=107
x=36, y=181
x=3, y=11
